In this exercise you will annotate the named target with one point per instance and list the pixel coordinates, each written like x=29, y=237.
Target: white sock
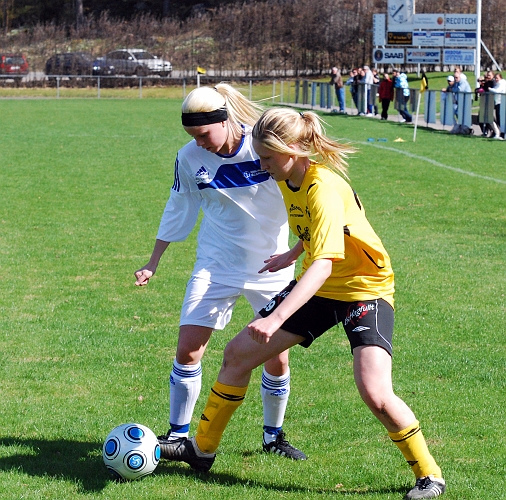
x=185, y=384
x=275, y=392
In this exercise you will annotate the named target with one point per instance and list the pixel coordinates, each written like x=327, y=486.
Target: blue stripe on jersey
x=177, y=182
x=233, y=175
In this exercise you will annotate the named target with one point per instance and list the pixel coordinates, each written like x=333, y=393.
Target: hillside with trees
x=252, y=37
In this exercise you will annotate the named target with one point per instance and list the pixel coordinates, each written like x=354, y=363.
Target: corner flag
x=201, y=71
x=424, y=84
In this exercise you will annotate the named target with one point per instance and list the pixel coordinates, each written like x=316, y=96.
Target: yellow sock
x=222, y=402
x=412, y=445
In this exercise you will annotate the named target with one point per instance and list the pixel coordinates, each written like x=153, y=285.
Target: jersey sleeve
x=327, y=210
x=182, y=208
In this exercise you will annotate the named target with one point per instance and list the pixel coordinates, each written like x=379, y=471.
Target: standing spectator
x=353, y=83
x=368, y=89
x=376, y=81
x=461, y=83
x=386, y=94
x=478, y=92
x=402, y=95
x=489, y=83
x=498, y=89
x=451, y=82
x=337, y=80
x=450, y=94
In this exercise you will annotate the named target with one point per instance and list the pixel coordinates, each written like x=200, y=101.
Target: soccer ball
x=131, y=451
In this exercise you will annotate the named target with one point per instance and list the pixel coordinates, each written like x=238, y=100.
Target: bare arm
x=277, y=262
x=144, y=273
x=262, y=329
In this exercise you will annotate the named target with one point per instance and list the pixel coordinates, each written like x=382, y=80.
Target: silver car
x=138, y=62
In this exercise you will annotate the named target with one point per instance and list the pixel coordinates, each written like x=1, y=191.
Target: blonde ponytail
x=240, y=109
x=279, y=128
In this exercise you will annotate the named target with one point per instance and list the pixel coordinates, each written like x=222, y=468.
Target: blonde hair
x=279, y=128
x=240, y=109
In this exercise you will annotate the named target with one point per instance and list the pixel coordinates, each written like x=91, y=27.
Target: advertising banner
x=460, y=39
x=400, y=38
x=388, y=56
x=428, y=38
x=425, y=56
x=429, y=21
x=461, y=22
x=459, y=56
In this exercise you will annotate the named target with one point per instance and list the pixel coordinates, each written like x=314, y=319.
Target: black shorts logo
x=357, y=312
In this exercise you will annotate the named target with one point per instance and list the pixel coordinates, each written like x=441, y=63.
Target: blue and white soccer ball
x=131, y=451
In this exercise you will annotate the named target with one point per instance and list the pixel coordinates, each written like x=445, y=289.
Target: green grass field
x=83, y=184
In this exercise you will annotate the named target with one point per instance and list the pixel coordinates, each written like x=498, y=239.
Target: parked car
x=137, y=62
x=13, y=66
x=77, y=64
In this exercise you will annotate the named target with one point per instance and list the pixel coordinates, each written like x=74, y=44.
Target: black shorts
x=366, y=322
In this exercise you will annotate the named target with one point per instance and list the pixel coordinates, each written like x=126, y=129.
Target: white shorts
x=211, y=304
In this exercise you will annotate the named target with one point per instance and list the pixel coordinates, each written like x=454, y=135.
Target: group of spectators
x=489, y=82
x=497, y=85
x=365, y=84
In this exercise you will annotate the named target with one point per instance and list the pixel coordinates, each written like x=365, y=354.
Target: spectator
x=386, y=95
x=498, y=89
x=478, y=92
x=489, y=84
x=461, y=83
x=337, y=80
x=450, y=94
x=368, y=80
x=451, y=82
x=402, y=95
x=352, y=82
x=376, y=80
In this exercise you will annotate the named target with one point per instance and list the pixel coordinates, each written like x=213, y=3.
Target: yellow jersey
x=327, y=215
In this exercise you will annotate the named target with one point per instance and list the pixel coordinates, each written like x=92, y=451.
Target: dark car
x=137, y=62
x=76, y=64
x=13, y=66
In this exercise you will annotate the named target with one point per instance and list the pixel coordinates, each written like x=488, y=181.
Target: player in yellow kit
x=346, y=278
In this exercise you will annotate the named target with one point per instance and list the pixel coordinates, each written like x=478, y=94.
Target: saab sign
x=388, y=56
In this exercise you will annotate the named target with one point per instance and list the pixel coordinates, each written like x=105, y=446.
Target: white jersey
x=244, y=218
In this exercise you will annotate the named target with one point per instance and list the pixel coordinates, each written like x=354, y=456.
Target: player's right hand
x=143, y=275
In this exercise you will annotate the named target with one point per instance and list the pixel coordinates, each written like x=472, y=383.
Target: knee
x=375, y=399
x=231, y=356
x=278, y=365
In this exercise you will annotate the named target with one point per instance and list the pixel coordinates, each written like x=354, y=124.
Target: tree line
x=262, y=37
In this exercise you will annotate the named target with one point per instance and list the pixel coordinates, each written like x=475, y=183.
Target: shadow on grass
x=76, y=461
x=81, y=463
x=224, y=479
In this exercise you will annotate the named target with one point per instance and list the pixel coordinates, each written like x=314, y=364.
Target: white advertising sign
x=425, y=56
x=388, y=56
x=461, y=21
x=429, y=21
x=379, y=29
x=428, y=38
x=459, y=56
x=460, y=39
